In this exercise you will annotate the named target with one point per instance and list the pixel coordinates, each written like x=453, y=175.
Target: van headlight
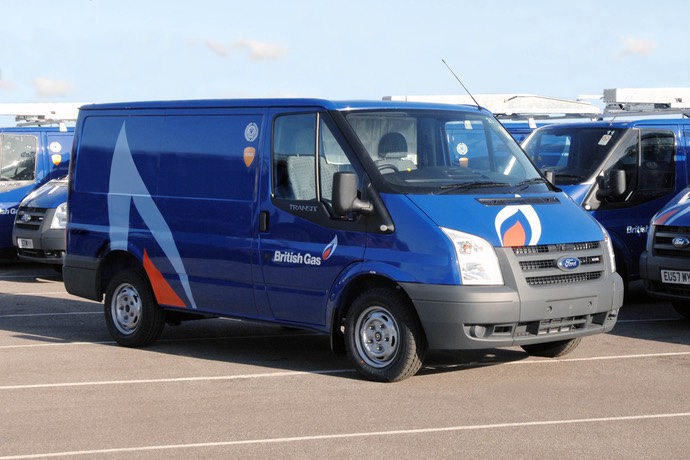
x=59, y=218
x=477, y=259
x=609, y=248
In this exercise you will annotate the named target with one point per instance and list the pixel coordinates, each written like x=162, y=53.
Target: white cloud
x=7, y=85
x=637, y=46
x=256, y=50
x=46, y=87
x=261, y=51
x=217, y=48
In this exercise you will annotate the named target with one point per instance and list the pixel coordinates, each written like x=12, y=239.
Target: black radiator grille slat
x=551, y=326
x=563, y=279
x=555, y=248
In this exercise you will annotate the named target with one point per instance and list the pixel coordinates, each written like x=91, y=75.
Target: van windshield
x=573, y=153
x=422, y=151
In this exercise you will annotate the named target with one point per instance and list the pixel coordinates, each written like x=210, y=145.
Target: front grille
x=34, y=220
x=552, y=263
x=662, y=244
x=539, y=264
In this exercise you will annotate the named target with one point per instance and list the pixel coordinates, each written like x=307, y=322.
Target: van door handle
x=263, y=221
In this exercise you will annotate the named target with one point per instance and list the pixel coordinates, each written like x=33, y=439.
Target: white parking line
x=327, y=437
x=54, y=344
x=175, y=380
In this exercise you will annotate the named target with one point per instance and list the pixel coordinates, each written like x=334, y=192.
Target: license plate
x=675, y=277
x=25, y=243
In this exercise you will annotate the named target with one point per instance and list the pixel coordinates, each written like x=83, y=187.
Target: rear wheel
x=383, y=338
x=682, y=308
x=133, y=316
x=552, y=349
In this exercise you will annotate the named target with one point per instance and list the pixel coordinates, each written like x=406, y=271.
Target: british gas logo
x=299, y=258
x=330, y=248
x=518, y=225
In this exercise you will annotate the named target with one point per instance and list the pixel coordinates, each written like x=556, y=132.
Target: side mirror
x=550, y=176
x=345, y=198
x=616, y=186
x=617, y=182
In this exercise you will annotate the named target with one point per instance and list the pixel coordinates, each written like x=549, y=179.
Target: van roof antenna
x=459, y=81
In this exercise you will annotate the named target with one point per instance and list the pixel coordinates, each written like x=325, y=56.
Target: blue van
x=665, y=264
x=29, y=157
x=622, y=172
x=39, y=227
x=363, y=220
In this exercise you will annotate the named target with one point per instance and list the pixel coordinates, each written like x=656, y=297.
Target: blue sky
x=119, y=50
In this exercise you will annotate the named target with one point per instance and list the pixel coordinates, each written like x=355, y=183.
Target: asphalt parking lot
x=228, y=389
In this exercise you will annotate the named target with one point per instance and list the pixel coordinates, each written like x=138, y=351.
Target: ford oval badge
x=680, y=242
x=568, y=263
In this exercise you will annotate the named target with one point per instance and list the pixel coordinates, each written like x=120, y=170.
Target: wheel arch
x=115, y=262
x=361, y=283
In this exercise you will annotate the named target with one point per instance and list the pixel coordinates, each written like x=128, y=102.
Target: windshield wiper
x=471, y=185
x=574, y=177
x=535, y=180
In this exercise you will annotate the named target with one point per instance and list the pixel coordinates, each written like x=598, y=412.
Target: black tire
x=552, y=349
x=383, y=338
x=132, y=314
x=682, y=308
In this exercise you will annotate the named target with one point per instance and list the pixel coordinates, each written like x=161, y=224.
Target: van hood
x=505, y=220
x=11, y=193
x=577, y=192
x=50, y=195
x=676, y=212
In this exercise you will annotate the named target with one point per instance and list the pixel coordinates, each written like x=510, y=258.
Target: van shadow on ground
x=29, y=318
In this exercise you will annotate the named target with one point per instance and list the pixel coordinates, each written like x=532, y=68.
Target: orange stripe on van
x=661, y=220
x=164, y=293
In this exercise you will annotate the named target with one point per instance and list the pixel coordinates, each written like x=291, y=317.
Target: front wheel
x=133, y=316
x=383, y=338
x=552, y=349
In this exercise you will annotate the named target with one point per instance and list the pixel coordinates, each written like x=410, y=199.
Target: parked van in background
x=395, y=227
x=621, y=170
x=31, y=155
x=665, y=264
x=39, y=227
x=520, y=114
